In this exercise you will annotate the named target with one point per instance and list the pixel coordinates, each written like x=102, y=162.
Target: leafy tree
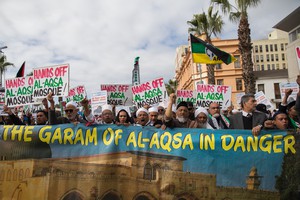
x=171, y=86
x=238, y=13
x=3, y=67
x=209, y=24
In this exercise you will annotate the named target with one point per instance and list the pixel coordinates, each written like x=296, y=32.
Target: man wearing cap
x=106, y=115
x=249, y=118
x=182, y=114
x=71, y=111
x=142, y=115
x=153, y=116
x=200, y=121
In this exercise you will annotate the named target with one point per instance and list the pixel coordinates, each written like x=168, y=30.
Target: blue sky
x=100, y=39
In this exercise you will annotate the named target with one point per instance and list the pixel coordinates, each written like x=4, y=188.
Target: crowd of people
x=252, y=116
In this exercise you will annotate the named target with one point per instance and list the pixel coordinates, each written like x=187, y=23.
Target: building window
x=277, y=91
x=268, y=57
x=284, y=66
x=262, y=67
x=257, y=58
x=218, y=66
x=269, y=66
x=276, y=57
x=282, y=57
x=282, y=47
x=260, y=49
x=277, y=66
x=258, y=68
x=275, y=47
x=271, y=47
x=273, y=66
x=267, y=48
x=220, y=81
x=148, y=172
x=256, y=49
x=261, y=58
x=237, y=63
x=261, y=87
x=155, y=168
x=272, y=57
x=239, y=83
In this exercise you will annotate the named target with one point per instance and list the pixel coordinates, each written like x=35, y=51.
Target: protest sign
x=110, y=155
x=76, y=94
x=53, y=79
x=185, y=95
x=238, y=97
x=285, y=86
x=206, y=94
x=261, y=98
x=98, y=99
x=118, y=94
x=150, y=93
x=19, y=91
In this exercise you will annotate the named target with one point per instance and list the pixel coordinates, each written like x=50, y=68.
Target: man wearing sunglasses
x=216, y=119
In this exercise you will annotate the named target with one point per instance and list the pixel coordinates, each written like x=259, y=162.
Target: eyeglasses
x=70, y=111
x=160, y=109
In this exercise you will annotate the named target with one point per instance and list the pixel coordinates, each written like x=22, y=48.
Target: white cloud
x=100, y=39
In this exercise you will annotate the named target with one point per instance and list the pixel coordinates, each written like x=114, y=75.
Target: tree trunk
x=211, y=74
x=245, y=47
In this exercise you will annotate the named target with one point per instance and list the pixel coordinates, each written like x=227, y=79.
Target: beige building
x=188, y=74
x=291, y=24
x=132, y=175
x=270, y=54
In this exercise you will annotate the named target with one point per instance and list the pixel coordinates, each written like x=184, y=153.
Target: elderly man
x=106, y=115
x=249, y=118
x=153, y=116
x=142, y=115
x=200, y=121
x=71, y=111
x=182, y=114
x=216, y=119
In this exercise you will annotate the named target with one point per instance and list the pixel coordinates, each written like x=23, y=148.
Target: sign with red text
x=298, y=55
x=149, y=93
x=76, y=94
x=285, y=86
x=118, y=94
x=185, y=95
x=206, y=94
x=19, y=91
x=53, y=79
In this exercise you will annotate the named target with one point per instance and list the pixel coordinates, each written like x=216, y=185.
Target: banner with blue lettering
x=145, y=162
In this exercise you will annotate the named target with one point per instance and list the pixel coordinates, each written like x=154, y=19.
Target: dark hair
x=290, y=105
x=182, y=103
x=127, y=115
x=45, y=113
x=262, y=108
x=245, y=98
x=277, y=113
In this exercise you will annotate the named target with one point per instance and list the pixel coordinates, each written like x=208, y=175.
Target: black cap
x=262, y=108
x=183, y=103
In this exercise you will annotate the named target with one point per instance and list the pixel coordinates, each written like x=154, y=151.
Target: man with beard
x=142, y=115
x=216, y=119
x=182, y=114
x=200, y=121
x=153, y=116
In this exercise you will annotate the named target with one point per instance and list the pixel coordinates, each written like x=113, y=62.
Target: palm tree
x=3, y=67
x=171, y=86
x=244, y=36
x=207, y=25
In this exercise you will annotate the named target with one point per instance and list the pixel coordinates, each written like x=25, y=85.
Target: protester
x=280, y=121
x=216, y=119
x=123, y=118
x=153, y=117
x=142, y=117
x=248, y=118
x=201, y=116
x=191, y=110
x=263, y=109
x=182, y=114
x=71, y=111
